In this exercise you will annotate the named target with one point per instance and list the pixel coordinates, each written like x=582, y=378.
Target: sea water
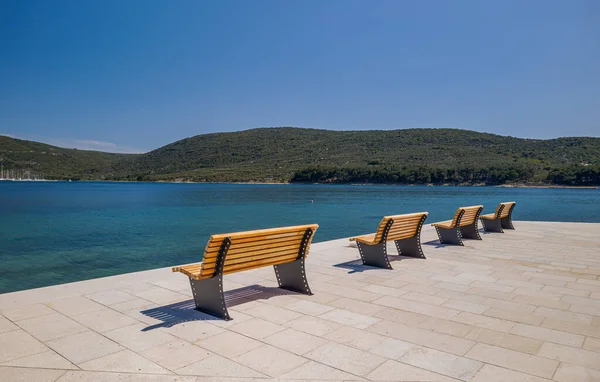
x=58, y=232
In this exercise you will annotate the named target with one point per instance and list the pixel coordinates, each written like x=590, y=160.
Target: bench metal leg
x=507, y=222
x=292, y=276
x=209, y=297
x=449, y=235
x=410, y=247
x=492, y=225
x=374, y=255
x=470, y=231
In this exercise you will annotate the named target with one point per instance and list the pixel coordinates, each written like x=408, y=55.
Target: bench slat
x=237, y=253
x=253, y=244
x=411, y=228
x=234, y=251
x=408, y=224
x=269, y=232
x=400, y=227
x=240, y=267
x=408, y=216
x=261, y=263
x=249, y=258
x=405, y=225
x=257, y=265
x=402, y=234
x=264, y=260
x=216, y=243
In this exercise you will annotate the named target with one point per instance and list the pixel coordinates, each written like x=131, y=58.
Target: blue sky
x=131, y=76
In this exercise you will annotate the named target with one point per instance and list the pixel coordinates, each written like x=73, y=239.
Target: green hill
x=56, y=162
x=309, y=155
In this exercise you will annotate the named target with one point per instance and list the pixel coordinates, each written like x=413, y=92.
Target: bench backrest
x=504, y=209
x=469, y=215
x=403, y=226
x=255, y=249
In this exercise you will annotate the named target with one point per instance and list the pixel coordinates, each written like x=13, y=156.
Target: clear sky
x=130, y=76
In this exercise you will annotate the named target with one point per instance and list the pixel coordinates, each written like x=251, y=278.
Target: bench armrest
x=444, y=224
x=190, y=270
x=367, y=239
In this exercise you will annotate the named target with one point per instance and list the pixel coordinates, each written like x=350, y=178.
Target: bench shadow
x=436, y=242
x=482, y=232
x=185, y=311
x=356, y=266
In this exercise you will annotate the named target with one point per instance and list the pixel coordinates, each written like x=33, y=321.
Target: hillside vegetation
x=56, y=162
x=309, y=155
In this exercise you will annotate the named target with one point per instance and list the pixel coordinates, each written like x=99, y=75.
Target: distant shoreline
x=352, y=184
x=319, y=183
x=543, y=186
x=387, y=184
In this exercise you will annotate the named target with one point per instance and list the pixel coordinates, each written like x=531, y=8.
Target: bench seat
x=404, y=230
x=283, y=248
x=462, y=225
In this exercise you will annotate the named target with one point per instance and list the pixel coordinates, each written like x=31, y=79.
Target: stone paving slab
x=518, y=306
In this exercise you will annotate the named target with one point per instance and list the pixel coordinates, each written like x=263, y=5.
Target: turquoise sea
x=58, y=232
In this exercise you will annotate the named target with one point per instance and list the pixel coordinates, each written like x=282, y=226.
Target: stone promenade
x=519, y=306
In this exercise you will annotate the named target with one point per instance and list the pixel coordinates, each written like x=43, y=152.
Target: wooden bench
x=284, y=248
x=463, y=224
x=499, y=220
x=404, y=230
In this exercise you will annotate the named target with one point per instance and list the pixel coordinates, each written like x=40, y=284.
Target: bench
x=284, y=248
x=499, y=220
x=404, y=230
x=462, y=225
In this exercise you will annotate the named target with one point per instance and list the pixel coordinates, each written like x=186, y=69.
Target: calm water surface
x=57, y=232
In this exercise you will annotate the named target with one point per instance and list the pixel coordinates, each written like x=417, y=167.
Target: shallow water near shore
x=58, y=232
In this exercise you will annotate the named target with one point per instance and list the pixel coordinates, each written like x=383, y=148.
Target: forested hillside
x=56, y=162
x=308, y=155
